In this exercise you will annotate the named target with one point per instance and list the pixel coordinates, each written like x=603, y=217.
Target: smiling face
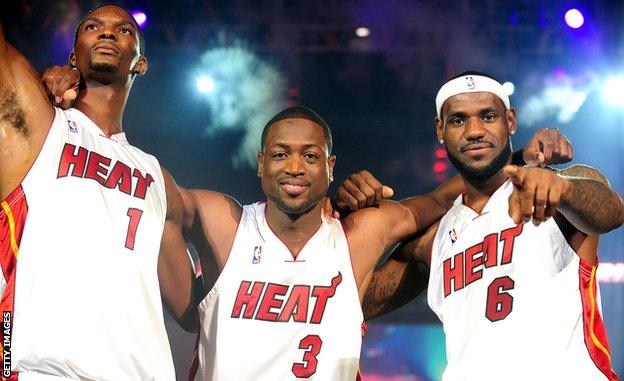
x=107, y=46
x=294, y=166
x=475, y=128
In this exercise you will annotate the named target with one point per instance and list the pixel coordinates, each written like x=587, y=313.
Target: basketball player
x=290, y=280
x=83, y=212
x=513, y=262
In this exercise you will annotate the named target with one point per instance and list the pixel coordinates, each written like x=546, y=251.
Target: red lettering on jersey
x=68, y=158
x=269, y=301
x=95, y=170
x=460, y=269
x=273, y=307
x=91, y=165
x=454, y=272
x=143, y=182
x=297, y=305
x=322, y=293
x=472, y=262
x=490, y=250
x=508, y=236
x=248, y=299
x=120, y=176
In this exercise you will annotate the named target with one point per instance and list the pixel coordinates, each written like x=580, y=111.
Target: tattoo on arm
x=585, y=172
x=388, y=290
x=590, y=205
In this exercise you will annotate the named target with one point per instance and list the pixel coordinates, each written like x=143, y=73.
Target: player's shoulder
x=216, y=204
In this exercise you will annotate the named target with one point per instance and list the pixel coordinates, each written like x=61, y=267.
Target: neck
x=478, y=193
x=293, y=230
x=104, y=104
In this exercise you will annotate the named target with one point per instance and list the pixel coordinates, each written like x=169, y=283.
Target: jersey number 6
x=499, y=302
x=312, y=344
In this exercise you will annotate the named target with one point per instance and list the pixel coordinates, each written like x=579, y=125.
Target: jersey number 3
x=499, y=302
x=312, y=345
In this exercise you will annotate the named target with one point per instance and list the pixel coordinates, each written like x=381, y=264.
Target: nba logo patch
x=257, y=254
x=453, y=236
x=72, y=126
x=470, y=83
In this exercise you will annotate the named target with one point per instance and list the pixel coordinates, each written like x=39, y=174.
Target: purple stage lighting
x=140, y=17
x=574, y=18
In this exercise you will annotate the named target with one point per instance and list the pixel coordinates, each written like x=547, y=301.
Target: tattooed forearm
x=585, y=172
x=589, y=204
x=393, y=285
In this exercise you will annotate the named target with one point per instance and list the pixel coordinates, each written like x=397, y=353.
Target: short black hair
x=299, y=112
x=136, y=25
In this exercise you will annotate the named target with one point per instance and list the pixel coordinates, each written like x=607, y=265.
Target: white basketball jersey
x=516, y=301
x=270, y=317
x=83, y=301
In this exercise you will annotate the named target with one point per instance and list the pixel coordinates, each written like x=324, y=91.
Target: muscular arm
x=174, y=266
x=402, y=277
x=210, y=223
x=589, y=203
x=25, y=115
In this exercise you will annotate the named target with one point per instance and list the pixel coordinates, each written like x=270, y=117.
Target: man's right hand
x=361, y=190
x=62, y=85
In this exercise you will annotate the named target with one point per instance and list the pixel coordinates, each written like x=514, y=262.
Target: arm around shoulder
x=588, y=202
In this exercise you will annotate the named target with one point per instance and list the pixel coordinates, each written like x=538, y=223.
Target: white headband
x=470, y=84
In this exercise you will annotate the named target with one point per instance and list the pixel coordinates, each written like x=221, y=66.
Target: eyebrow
x=455, y=114
x=98, y=19
x=305, y=146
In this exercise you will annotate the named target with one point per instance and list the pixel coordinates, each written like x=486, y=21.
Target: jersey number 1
x=312, y=344
x=133, y=224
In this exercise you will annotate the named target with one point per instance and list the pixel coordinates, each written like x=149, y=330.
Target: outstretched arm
x=579, y=198
x=25, y=115
x=590, y=204
x=580, y=193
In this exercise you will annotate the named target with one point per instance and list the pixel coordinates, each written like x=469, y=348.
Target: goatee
x=102, y=67
x=481, y=175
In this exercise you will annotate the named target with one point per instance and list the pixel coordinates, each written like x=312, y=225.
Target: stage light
x=613, y=90
x=242, y=91
x=509, y=88
x=440, y=153
x=574, y=18
x=362, y=32
x=205, y=84
x=140, y=17
x=440, y=167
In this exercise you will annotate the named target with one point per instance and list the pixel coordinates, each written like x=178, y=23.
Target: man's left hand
x=547, y=146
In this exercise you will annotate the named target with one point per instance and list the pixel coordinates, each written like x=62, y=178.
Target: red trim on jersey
x=594, y=330
x=195, y=358
x=284, y=243
x=13, y=212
